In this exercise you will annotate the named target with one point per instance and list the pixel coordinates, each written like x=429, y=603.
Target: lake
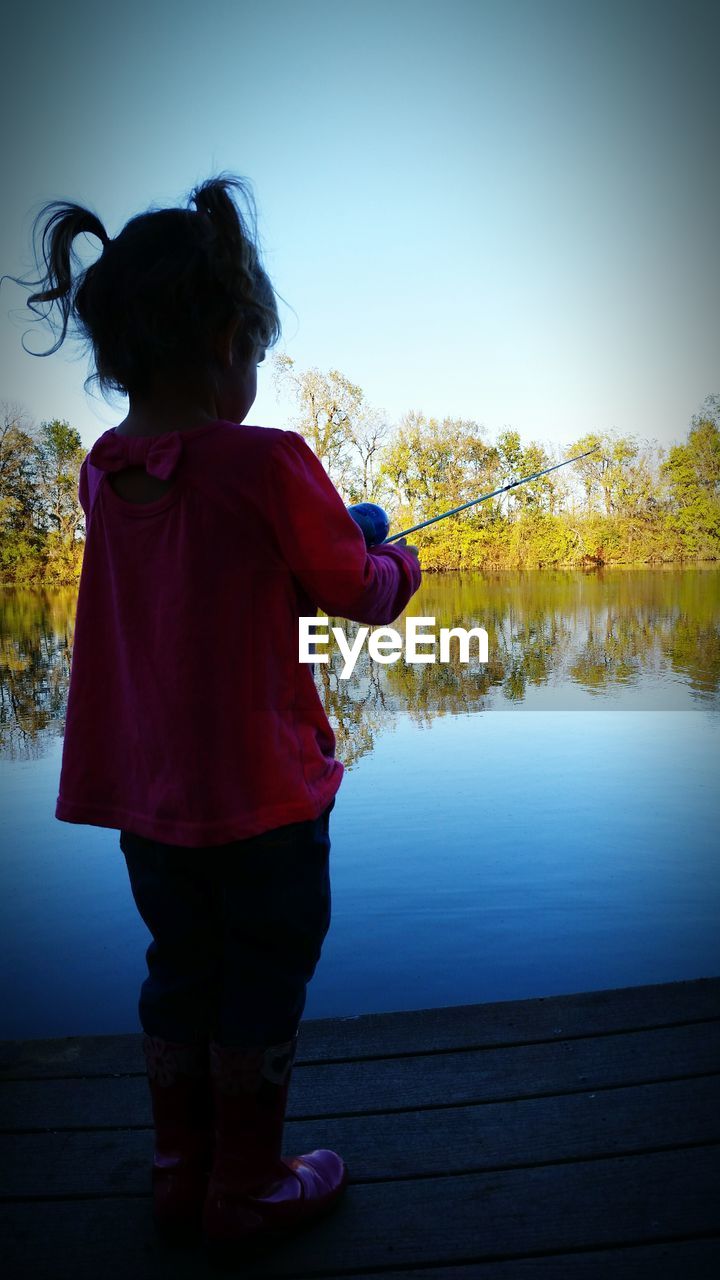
x=541, y=824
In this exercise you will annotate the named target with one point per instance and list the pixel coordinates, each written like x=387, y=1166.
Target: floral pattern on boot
x=167, y=1060
x=237, y=1071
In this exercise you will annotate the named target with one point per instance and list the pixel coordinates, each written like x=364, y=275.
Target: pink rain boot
x=255, y=1197
x=178, y=1075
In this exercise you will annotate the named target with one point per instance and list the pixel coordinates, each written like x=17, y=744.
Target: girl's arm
x=324, y=547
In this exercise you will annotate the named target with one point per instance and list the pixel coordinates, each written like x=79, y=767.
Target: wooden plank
x=693, y=1259
x=406, y=1144
x=401, y=1083
x=505, y=1022
x=71, y=1056
x=425, y=1222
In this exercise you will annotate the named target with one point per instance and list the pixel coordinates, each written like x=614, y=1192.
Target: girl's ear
x=225, y=345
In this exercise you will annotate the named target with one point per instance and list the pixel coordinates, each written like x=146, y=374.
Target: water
x=541, y=825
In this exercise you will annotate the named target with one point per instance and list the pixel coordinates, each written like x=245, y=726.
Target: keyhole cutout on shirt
x=133, y=484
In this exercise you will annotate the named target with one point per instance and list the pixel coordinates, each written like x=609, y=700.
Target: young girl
x=192, y=727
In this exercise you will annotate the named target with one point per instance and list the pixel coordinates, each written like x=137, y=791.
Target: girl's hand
x=402, y=542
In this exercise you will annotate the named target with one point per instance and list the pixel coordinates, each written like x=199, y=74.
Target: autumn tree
x=617, y=479
x=59, y=455
x=18, y=492
x=330, y=406
x=345, y=432
x=693, y=474
x=516, y=461
x=431, y=465
x=362, y=478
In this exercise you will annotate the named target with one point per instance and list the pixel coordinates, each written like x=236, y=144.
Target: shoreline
x=666, y=566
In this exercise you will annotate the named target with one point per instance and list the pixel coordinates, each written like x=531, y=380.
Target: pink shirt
x=190, y=718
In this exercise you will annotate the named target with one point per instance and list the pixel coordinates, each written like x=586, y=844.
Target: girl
x=191, y=725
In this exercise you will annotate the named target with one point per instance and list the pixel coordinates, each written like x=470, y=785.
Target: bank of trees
x=630, y=502
x=41, y=520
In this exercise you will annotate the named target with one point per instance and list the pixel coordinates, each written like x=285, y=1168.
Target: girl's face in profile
x=238, y=388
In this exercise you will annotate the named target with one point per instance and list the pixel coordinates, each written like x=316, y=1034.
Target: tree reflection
x=600, y=633
x=36, y=633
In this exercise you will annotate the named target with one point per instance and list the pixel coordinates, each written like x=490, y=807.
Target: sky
x=504, y=212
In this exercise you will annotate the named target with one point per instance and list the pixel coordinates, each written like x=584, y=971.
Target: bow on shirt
x=159, y=455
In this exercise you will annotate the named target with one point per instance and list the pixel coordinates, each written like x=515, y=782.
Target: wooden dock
x=567, y=1138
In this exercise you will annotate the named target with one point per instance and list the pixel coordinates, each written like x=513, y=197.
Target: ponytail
x=162, y=291
x=212, y=200
x=56, y=236
x=236, y=253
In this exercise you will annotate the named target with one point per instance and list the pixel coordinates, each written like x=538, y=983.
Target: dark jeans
x=237, y=932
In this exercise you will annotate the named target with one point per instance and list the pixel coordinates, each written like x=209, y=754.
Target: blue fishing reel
x=372, y=520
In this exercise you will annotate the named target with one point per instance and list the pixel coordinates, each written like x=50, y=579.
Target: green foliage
x=624, y=504
x=539, y=539
x=63, y=559
x=41, y=521
x=430, y=466
x=21, y=559
x=692, y=471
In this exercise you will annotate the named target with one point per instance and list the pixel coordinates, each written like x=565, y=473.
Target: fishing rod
x=375, y=525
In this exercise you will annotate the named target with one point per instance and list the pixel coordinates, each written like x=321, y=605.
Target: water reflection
x=36, y=630
x=566, y=635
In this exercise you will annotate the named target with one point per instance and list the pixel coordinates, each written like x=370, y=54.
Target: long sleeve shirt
x=190, y=718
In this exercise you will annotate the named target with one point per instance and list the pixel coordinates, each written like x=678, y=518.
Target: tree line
x=631, y=502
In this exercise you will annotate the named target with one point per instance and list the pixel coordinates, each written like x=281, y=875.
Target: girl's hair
x=163, y=291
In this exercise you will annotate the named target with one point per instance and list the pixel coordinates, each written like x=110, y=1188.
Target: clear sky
x=505, y=211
